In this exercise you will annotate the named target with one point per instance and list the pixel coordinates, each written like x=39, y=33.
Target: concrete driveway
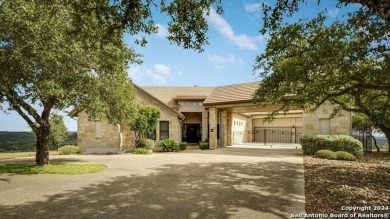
x=224, y=183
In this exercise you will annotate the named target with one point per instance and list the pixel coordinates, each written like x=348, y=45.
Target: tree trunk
x=375, y=143
x=387, y=134
x=386, y=131
x=42, y=150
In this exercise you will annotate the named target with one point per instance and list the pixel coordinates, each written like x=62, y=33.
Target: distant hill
x=381, y=141
x=25, y=141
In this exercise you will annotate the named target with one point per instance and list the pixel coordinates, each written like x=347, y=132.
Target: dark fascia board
x=227, y=102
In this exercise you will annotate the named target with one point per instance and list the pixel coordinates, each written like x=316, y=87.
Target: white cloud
x=220, y=62
x=253, y=7
x=223, y=27
x=162, y=69
x=135, y=72
x=333, y=12
x=162, y=31
x=158, y=74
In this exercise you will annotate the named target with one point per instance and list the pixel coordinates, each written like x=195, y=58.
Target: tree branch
x=47, y=108
x=22, y=114
x=345, y=107
x=381, y=7
x=334, y=95
x=15, y=100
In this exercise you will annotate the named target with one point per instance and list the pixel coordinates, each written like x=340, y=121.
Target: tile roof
x=152, y=96
x=167, y=94
x=232, y=94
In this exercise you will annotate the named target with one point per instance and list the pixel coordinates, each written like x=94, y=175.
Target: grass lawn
x=54, y=168
x=10, y=155
x=332, y=184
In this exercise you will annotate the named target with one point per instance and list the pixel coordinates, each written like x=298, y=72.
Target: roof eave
x=227, y=102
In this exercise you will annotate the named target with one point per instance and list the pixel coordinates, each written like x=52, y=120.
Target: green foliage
x=327, y=154
x=273, y=15
x=58, y=54
x=145, y=121
x=204, y=145
x=147, y=143
x=361, y=122
x=343, y=155
x=53, y=168
x=183, y=146
x=169, y=145
x=313, y=143
x=142, y=151
x=58, y=131
x=69, y=149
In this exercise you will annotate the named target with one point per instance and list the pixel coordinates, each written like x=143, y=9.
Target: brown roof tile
x=232, y=94
x=152, y=96
x=167, y=94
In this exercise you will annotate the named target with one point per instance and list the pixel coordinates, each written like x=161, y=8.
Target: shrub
x=169, y=145
x=313, y=143
x=183, y=146
x=146, y=143
x=327, y=154
x=142, y=151
x=343, y=155
x=69, y=149
x=204, y=145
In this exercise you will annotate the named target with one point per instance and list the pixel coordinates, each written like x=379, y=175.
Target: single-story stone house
x=223, y=115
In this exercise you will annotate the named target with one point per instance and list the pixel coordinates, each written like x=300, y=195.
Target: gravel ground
x=332, y=184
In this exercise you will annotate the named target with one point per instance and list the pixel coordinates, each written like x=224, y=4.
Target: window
x=325, y=128
x=98, y=129
x=152, y=135
x=164, y=130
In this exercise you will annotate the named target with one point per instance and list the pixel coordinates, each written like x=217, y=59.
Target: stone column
x=205, y=122
x=229, y=125
x=213, y=141
x=223, y=129
x=248, y=130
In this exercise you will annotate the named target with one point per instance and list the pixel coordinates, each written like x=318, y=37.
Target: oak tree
x=56, y=54
x=346, y=63
x=274, y=14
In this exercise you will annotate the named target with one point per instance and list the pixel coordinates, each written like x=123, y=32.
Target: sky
x=234, y=43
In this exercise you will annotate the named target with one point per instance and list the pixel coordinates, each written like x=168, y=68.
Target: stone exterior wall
x=192, y=118
x=166, y=115
x=339, y=125
x=279, y=122
x=90, y=143
x=118, y=138
x=205, y=123
x=213, y=120
x=128, y=138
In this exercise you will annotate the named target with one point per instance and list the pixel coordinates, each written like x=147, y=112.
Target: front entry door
x=191, y=133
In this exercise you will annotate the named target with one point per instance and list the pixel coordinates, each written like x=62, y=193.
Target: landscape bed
x=332, y=184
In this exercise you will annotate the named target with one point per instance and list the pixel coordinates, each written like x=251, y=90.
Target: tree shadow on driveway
x=195, y=190
x=252, y=152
